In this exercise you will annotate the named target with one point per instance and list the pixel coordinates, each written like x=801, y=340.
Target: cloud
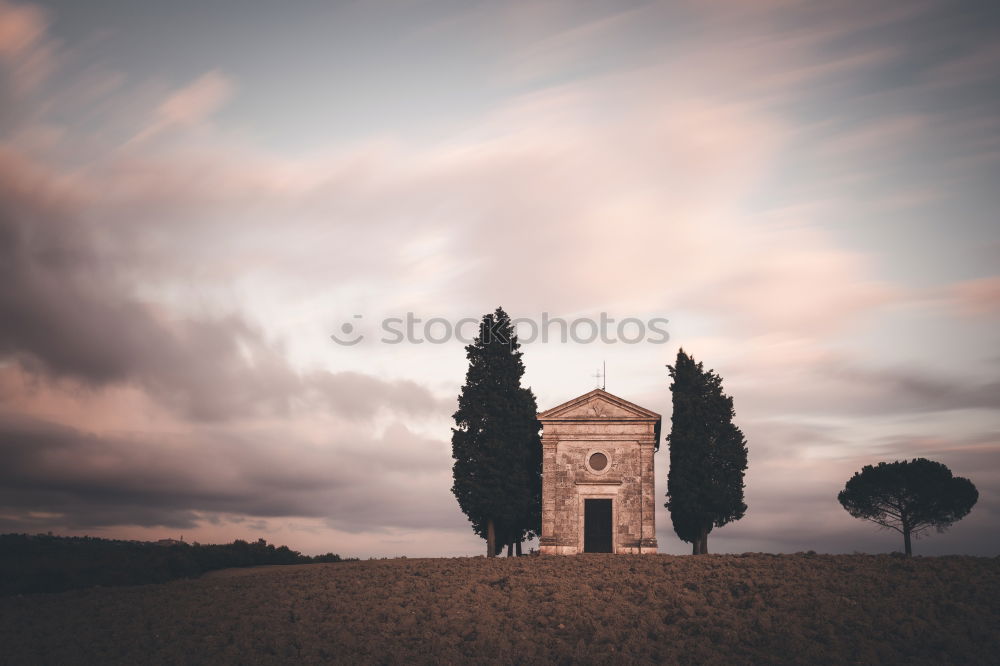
x=147, y=286
x=646, y=191
x=977, y=297
x=649, y=200
x=53, y=475
x=839, y=387
x=197, y=101
x=189, y=105
x=22, y=27
x=69, y=316
x=27, y=58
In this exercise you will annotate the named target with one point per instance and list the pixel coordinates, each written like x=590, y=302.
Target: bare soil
x=729, y=609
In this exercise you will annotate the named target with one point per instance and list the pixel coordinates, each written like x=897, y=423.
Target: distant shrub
x=329, y=557
x=46, y=563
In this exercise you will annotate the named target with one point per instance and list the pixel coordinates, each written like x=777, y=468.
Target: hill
x=590, y=608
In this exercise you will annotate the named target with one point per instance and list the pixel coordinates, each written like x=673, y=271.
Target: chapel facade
x=597, y=476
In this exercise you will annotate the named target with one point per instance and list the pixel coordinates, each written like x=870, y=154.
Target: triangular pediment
x=598, y=404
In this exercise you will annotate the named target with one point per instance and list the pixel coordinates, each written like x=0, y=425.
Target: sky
x=195, y=196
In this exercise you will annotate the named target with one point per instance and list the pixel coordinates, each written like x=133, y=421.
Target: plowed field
x=592, y=608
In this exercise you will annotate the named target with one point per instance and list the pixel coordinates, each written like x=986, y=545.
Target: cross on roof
x=600, y=377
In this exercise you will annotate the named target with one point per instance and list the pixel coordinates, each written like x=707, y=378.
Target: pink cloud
x=22, y=27
x=196, y=101
x=26, y=50
x=977, y=297
x=635, y=190
x=189, y=105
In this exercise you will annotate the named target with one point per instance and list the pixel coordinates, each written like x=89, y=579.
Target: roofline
x=643, y=413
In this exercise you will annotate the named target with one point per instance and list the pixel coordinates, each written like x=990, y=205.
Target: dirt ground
x=592, y=608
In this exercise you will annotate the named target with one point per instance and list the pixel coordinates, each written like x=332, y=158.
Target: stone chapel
x=597, y=476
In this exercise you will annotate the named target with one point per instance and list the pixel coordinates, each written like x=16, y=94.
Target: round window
x=598, y=461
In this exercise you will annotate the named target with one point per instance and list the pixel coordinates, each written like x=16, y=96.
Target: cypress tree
x=495, y=441
x=708, y=455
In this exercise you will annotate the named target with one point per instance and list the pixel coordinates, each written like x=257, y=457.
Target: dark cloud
x=356, y=395
x=67, y=314
x=908, y=389
x=842, y=387
x=70, y=314
x=54, y=476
